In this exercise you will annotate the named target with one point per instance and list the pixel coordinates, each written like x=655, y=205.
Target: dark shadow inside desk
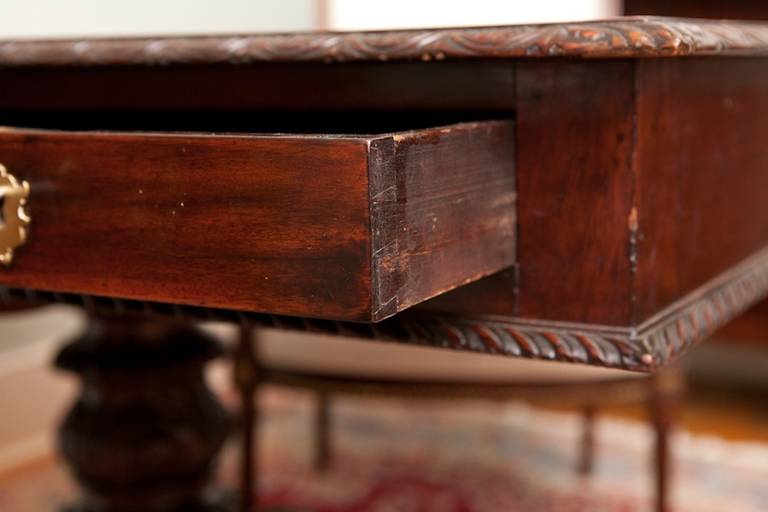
x=242, y=121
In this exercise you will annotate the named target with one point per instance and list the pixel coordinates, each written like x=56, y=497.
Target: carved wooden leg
x=322, y=460
x=144, y=433
x=587, y=448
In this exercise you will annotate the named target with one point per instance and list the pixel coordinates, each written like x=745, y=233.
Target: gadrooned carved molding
x=620, y=37
x=645, y=348
x=652, y=344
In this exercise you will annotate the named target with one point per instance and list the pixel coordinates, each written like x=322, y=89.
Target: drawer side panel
x=443, y=211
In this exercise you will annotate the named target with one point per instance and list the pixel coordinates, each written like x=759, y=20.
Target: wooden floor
x=733, y=414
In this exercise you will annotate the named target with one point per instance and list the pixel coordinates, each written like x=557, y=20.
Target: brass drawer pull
x=13, y=214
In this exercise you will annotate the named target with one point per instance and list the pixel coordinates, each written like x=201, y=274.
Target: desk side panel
x=702, y=158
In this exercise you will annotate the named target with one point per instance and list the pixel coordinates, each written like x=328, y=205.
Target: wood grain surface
x=575, y=182
x=638, y=182
x=447, y=218
x=701, y=160
x=315, y=226
x=575, y=147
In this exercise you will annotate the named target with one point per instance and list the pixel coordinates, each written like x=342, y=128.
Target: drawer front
x=338, y=227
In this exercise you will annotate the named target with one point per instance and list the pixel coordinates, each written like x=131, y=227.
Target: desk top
x=615, y=38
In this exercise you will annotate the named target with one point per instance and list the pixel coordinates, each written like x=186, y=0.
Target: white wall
x=75, y=18
x=32, y=396
x=358, y=15
x=78, y=18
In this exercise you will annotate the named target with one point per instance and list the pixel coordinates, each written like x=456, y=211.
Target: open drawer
x=329, y=226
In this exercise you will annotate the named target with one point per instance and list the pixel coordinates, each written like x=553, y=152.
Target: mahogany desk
x=591, y=192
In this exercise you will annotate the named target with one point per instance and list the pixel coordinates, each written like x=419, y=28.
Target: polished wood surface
x=339, y=227
x=638, y=218
x=575, y=198
x=620, y=37
x=700, y=164
x=665, y=156
x=639, y=222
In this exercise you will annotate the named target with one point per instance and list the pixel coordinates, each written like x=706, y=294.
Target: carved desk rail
x=645, y=348
x=617, y=38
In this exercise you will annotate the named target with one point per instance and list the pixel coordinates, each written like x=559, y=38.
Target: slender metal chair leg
x=246, y=382
x=587, y=447
x=322, y=455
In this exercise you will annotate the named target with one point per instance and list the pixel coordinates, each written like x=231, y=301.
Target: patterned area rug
x=460, y=457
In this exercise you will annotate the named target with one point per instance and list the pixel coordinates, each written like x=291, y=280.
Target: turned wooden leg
x=665, y=395
x=587, y=448
x=246, y=383
x=322, y=459
x=144, y=433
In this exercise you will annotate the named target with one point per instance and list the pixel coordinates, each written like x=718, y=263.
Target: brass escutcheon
x=14, y=220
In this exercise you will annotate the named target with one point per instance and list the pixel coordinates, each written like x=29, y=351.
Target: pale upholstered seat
x=345, y=357
x=333, y=366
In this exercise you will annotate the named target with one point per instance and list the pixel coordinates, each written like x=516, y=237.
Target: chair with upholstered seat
x=331, y=366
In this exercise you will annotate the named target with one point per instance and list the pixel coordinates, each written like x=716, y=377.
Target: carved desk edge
x=614, y=38
x=645, y=348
